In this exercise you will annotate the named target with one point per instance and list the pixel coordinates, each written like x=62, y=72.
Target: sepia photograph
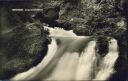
x=63, y=40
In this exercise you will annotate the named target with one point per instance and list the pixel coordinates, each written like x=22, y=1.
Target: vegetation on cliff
x=23, y=40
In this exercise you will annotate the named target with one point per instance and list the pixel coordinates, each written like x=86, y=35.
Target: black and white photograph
x=63, y=40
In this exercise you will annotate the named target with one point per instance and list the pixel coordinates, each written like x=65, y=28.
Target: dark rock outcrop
x=24, y=49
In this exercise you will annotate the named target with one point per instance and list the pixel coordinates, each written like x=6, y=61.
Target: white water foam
x=72, y=58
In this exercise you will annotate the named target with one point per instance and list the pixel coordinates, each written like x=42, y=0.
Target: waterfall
x=72, y=57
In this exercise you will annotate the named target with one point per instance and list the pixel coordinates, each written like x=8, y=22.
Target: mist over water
x=72, y=57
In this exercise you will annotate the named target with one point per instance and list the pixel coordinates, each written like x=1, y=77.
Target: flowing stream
x=72, y=57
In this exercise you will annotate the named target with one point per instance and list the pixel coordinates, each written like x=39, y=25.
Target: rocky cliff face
x=23, y=44
x=89, y=17
x=24, y=49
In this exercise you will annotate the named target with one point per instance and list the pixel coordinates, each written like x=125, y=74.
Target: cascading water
x=72, y=57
